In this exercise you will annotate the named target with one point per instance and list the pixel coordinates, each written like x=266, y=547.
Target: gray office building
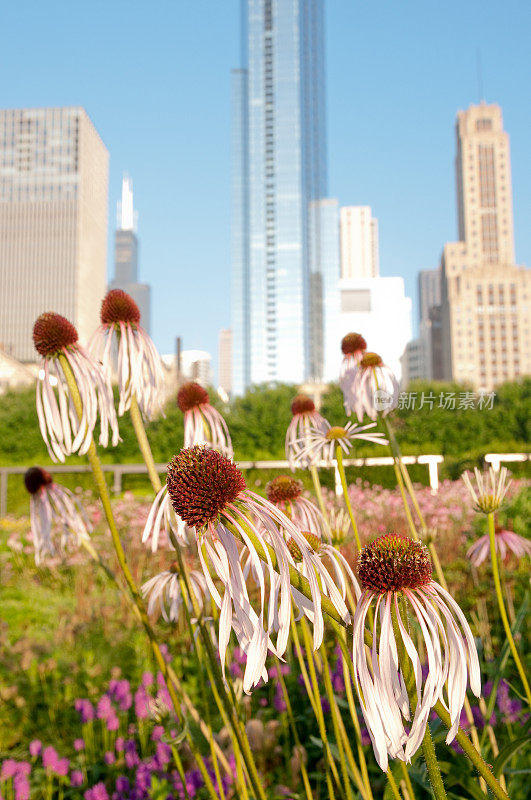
x=126, y=255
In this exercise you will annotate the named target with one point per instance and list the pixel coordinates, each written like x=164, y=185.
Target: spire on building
x=126, y=216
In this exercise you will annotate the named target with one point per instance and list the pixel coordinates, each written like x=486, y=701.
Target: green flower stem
x=407, y=781
x=180, y=769
x=329, y=759
x=501, y=606
x=341, y=470
x=143, y=443
x=392, y=784
x=99, y=479
x=296, y=737
x=314, y=472
x=469, y=749
x=428, y=749
x=341, y=734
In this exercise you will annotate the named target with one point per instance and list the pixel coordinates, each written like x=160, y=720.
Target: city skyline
x=390, y=134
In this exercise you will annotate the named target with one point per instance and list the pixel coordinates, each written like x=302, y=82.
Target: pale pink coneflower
x=138, y=365
x=353, y=346
x=164, y=590
x=63, y=432
x=209, y=493
x=371, y=389
x=53, y=506
x=305, y=416
x=203, y=424
x=390, y=569
x=504, y=540
x=161, y=519
x=319, y=445
x=490, y=489
x=285, y=493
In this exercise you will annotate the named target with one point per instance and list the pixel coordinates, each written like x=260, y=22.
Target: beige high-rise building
x=359, y=243
x=486, y=298
x=225, y=360
x=53, y=222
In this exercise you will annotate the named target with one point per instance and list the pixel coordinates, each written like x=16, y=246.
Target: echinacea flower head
x=209, y=493
x=505, y=541
x=490, y=489
x=125, y=349
x=319, y=444
x=62, y=430
x=370, y=388
x=203, y=424
x=395, y=573
x=285, y=492
x=353, y=346
x=53, y=508
x=164, y=590
x=305, y=416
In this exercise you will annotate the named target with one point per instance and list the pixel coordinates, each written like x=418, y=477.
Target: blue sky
x=155, y=79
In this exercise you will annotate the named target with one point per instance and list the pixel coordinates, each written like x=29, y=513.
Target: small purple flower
x=85, y=710
x=109, y=758
x=35, y=748
x=157, y=733
x=76, y=778
x=104, y=709
x=141, y=703
x=98, y=792
x=79, y=745
x=325, y=705
x=62, y=767
x=163, y=753
x=50, y=758
x=147, y=679
x=119, y=744
x=112, y=722
x=122, y=785
x=21, y=786
x=9, y=768
x=165, y=652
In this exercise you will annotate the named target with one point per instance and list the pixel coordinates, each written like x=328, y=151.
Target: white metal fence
x=119, y=470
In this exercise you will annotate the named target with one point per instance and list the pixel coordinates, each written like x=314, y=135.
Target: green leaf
x=507, y=751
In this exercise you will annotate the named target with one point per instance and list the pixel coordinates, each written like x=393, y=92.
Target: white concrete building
x=378, y=309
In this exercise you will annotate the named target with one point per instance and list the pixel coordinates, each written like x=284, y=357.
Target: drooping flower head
x=53, y=507
x=319, y=444
x=353, y=346
x=305, y=416
x=285, y=492
x=56, y=340
x=370, y=388
x=209, y=493
x=491, y=489
x=203, y=424
x=138, y=366
x=395, y=572
x=505, y=541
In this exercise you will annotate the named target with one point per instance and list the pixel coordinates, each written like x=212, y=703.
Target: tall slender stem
x=143, y=443
x=296, y=737
x=343, y=477
x=99, y=479
x=501, y=606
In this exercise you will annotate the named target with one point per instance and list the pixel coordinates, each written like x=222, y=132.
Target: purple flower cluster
x=18, y=773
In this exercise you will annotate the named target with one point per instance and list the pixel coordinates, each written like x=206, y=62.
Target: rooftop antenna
x=480, y=76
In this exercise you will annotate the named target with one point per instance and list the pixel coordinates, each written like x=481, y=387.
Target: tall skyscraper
x=126, y=254
x=279, y=168
x=429, y=286
x=486, y=299
x=53, y=222
x=359, y=243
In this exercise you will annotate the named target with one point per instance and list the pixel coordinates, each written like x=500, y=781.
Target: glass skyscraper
x=279, y=169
